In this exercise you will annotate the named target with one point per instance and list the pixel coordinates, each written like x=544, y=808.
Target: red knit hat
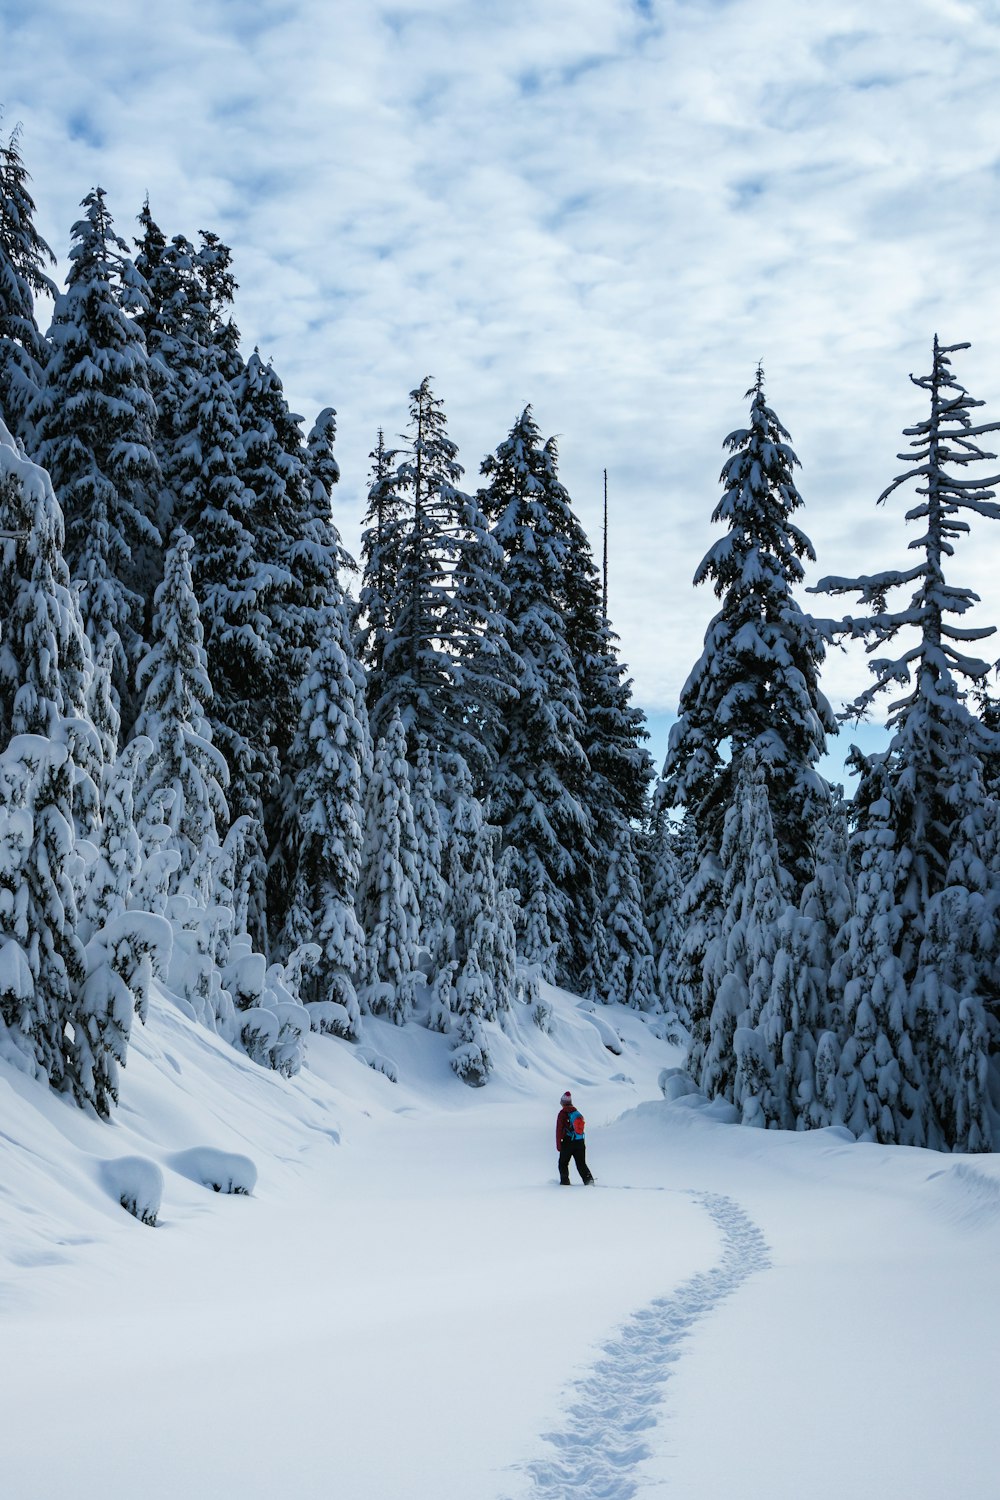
x=567, y=1098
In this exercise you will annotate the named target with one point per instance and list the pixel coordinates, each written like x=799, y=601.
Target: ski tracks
x=601, y=1445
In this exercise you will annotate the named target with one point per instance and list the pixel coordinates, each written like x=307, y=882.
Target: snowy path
x=599, y=1449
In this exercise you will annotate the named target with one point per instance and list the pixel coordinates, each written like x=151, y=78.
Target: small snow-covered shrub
x=222, y=1171
x=137, y=1184
x=676, y=1083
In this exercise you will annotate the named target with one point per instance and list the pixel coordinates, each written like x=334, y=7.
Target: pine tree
x=95, y=421
x=125, y=947
x=389, y=911
x=23, y=257
x=739, y=961
x=884, y=1098
x=938, y=743
x=58, y=1030
x=430, y=886
x=630, y=967
x=381, y=560
x=186, y=766
x=45, y=662
x=323, y=832
x=930, y=779
x=536, y=793
x=444, y=664
x=476, y=936
x=663, y=919
x=755, y=686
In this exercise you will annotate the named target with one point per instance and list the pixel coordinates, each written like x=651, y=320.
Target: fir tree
x=536, y=793
x=444, y=662
x=755, y=686
x=323, y=832
x=185, y=784
x=389, y=911
x=938, y=743
x=95, y=421
x=23, y=258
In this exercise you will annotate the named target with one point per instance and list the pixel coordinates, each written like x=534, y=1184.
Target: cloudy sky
x=609, y=208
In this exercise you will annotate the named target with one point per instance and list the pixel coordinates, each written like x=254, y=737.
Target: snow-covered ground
x=407, y=1306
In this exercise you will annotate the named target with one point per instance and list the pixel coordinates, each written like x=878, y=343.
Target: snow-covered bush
x=137, y=1184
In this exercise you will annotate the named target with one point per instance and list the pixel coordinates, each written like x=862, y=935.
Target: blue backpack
x=575, y=1126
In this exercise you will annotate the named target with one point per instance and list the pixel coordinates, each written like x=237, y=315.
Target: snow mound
x=379, y=1062
x=608, y=1034
x=137, y=1184
x=222, y=1171
x=967, y=1195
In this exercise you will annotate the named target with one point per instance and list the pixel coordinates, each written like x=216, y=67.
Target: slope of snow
x=405, y=1304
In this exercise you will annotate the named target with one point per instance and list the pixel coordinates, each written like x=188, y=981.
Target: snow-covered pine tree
x=444, y=663
x=317, y=562
x=739, y=962
x=231, y=581
x=58, y=1029
x=631, y=972
x=23, y=258
x=756, y=683
x=931, y=775
x=536, y=792
x=388, y=909
x=665, y=886
x=475, y=935
x=614, y=792
x=94, y=421
x=381, y=560
x=185, y=782
x=431, y=890
x=884, y=1096
x=125, y=946
x=45, y=663
x=323, y=834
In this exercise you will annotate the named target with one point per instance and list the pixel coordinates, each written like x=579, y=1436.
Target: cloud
x=610, y=209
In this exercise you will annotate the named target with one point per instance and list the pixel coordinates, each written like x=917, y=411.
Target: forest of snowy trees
x=296, y=793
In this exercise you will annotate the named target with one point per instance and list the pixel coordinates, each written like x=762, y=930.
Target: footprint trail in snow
x=601, y=1445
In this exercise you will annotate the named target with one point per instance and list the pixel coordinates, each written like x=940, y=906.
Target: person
x=570, y=1142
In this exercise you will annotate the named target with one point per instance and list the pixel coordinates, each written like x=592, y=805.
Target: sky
x=611, y=209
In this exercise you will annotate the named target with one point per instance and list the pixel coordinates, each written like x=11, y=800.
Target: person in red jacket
x=570, y=1142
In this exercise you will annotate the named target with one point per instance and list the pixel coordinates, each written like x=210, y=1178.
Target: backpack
x=575, y=1126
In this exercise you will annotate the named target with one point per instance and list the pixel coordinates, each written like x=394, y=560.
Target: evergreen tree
x=536, y=793
x=476, y=936
x=23, y=257
x=60, y=1029
x=95, y=420
x=663, y=919
x=444, y=662
x=45, y=662
x=323, y=833
x=755, y=686
x=884, y=1099
x=430, y=885
x=185, y=784
x=938, y=744
x=381, y=560
x=389, y=911
x=630, y=967
x=738, y=961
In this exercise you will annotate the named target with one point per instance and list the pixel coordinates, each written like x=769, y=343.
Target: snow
x=403, y=1302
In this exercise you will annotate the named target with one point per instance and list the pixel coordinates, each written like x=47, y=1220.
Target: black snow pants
x=571, y=1150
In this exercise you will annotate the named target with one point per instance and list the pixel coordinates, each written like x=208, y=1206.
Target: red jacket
x=562, y=1120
